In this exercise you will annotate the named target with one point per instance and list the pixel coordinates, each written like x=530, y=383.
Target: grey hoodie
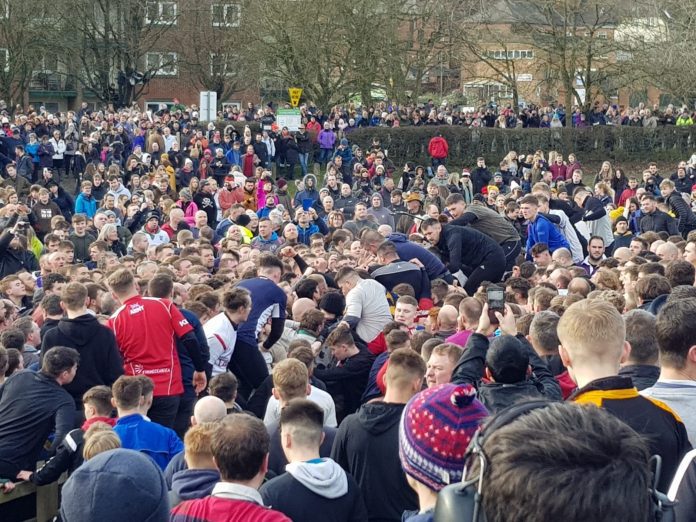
x=325, y=478
x=381, y=214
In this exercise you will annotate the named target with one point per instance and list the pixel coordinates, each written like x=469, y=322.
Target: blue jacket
x=234, y=157
x=408, y=250
x=85, y=205
x=160, y=443
x=315, y=227
x=543, y=231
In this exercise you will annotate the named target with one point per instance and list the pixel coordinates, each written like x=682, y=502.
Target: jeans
x=325, y=155
x=183, y=415
x=163, y=410
x=304, y=157
x=490, y=270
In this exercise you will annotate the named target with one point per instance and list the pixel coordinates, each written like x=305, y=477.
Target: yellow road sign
x=295, y=95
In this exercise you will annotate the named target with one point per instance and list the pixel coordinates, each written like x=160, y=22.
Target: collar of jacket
x=614, y=387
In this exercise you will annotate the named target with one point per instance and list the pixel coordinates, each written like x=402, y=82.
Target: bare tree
x=113, y=46
x=24, y=45
x=656, y=46
x=574, y=38
x=222, y=64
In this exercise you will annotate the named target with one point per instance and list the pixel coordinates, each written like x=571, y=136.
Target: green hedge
x=592, y=144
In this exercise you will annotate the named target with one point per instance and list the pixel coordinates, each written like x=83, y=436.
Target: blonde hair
x=592, y=330
x=198, y=440
x=290, y=379
x=99, y=437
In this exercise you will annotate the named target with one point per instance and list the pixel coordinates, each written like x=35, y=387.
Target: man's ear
x=488, y=374
x=309, y=389
x=275, y=394
x=565, y=356
x=625, y=352
x=113, y=403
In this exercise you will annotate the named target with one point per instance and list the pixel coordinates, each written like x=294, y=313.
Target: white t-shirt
x=317, y=396
x=368, y=301
x=221, y=337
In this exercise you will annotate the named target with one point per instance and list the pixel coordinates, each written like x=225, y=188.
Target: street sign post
x=295, y=95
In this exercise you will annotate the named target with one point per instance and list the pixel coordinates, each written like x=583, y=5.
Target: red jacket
x=438, y=148
x=626, y=195
x=216, y=509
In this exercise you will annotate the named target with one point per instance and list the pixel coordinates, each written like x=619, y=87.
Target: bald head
x=385, y=230
x=562, y=257
x=209, y=409
x=622, y=254
x=447, y=318
x=301, y=306
x=580, y=286
x=667, y=252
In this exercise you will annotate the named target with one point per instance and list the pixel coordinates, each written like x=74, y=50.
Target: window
x=160, y=13
x=225, y=15
x=223, y=64
x=516, y=54
x=163, y=64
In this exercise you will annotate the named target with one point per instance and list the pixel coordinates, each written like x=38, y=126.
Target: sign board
x=524, y=77
x=290, y=118
x=208, y=106
x=295, y=95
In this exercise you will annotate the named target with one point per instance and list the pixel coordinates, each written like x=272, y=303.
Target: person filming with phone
x=504, y=369
x=14, y=255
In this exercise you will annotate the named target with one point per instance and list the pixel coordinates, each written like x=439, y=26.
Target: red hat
x=282, y=183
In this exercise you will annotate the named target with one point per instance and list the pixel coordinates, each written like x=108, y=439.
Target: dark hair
x=682, y=292
x=100, y=398
x=640, y=333
x=51, y=305
x=236, y=298
x=543, y=332
x=270, y=261
x=14, y=359
x=224, y=386
x=651, y=268
x=675, y=331
x=239, y=445
x=127, y=392
x=53, y=279
x=574, y=444
x=161, y=285
x=304, y=419
x=652, y=286
x=680, y=272
x=507, y=359
x=13, y=338
x=519, y=285
x=59, y=359
x=306, y=288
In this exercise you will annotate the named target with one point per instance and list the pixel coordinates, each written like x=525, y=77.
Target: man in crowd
x=145, y=330
x=32, y=406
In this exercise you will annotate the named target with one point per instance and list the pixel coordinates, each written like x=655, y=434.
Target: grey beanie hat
x=116, y=486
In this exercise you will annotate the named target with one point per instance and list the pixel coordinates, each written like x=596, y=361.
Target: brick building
x=178, y=65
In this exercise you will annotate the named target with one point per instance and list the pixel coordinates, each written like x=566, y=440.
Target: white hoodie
x=325, y=478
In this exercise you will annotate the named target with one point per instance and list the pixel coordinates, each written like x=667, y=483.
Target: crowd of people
x=193, y=334
x=493, y=115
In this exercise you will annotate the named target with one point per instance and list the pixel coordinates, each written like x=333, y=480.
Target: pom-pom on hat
x=436, y=428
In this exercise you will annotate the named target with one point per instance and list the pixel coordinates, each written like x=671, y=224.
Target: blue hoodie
x=312, y=193
x=408, y=250
x=190, y=484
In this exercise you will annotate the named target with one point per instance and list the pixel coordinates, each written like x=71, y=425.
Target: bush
x=592, y=144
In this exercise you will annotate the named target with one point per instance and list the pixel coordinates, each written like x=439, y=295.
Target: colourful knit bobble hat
x=436, y=428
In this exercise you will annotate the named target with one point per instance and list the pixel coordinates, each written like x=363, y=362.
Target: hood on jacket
x=497, y=396
x=378, y=417
x=381, y=201
x=189, y=484
x=397, y=237
x=313, y=178
x=81, y=330
x=325, y=478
